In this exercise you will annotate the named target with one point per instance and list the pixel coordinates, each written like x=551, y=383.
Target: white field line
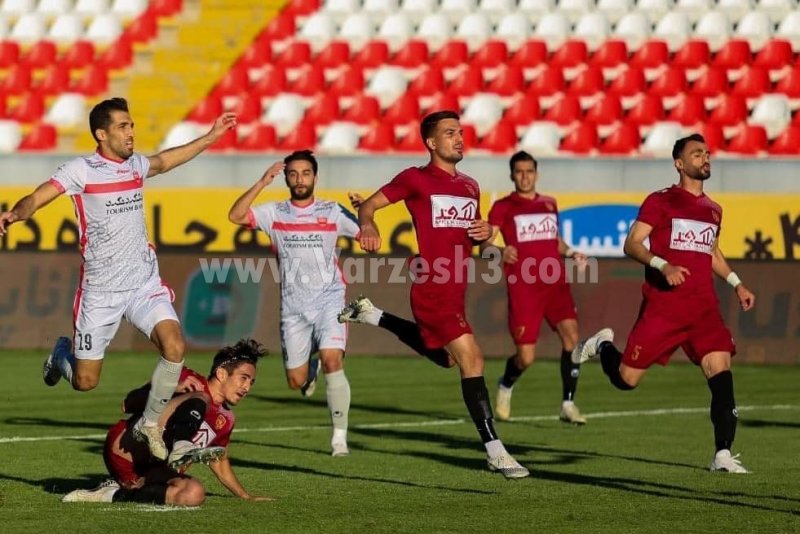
x=435, y=422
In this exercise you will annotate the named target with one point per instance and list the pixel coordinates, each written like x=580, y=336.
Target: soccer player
x=119, y=272
x=528, y=223
x=304, y=231
x=444, y=206
x=199, y=423
x=679, y=306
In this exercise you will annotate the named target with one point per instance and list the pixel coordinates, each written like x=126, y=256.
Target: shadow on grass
x=370, y=408
x=55, y=423
x=60, y=486
x=761, y=423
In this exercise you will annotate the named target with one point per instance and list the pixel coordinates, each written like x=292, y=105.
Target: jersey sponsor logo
x=204, y=436
x=536, y=227
x=453, y=212
x=694, y=236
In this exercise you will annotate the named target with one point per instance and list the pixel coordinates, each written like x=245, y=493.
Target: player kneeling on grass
x=198, y=423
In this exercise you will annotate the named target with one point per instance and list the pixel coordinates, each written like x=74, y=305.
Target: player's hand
x=580, y=259
x=675, y=274
x=224, y=122
x=258, y=498
x=355, y=200
x=510, y=254
x=479, y=230
x=746, y=297
x=369, y=239
x=272, y=171
x=191, y=383
x=6, y=218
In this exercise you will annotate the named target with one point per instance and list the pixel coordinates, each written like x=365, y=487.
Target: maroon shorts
x=132, y=472
x=439, y=312
x=658, y=333
x=121, y=468
x=528, y=306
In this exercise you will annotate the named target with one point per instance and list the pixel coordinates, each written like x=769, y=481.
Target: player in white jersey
x=119, y=271
x=304, y=232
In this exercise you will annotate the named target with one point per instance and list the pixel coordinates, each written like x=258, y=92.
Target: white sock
x=495, y=448
x=339, y=435
x=373, y=316
x=65, y=361
x=162, y=387
x=566, y=403
x=337, y=389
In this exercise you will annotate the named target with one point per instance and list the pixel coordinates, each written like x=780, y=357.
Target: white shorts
x=97, y=315
x=304, y=333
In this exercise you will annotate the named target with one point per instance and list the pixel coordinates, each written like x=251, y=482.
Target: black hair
x=100, y=116
x=522, y=156
x=677, y=148
x=231, y=357
x=428, y=124
x=302, y=155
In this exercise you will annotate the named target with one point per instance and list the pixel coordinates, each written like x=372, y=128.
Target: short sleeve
x=70, y=178
x=497, y=213
x=346, y=222
x=400, y=188
x=651, y=211
x=141, y=164
x=261, y=217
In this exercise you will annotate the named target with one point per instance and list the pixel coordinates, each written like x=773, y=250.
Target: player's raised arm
x=28, y=205
x=635, y=249
x=240, y=208
x=721, y=268
x=370, y=238
x=224, y=472
x=172, y=157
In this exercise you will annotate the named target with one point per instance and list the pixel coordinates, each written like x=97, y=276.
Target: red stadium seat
x=42, y=54
x=404, y=110
x=281, y=27
x=41, y=137
x=294, y=56
x=502, y=138
x=9, y=54
x=272, y=82
x=247, y=108
x=379, y=138
x=789, y=84
x=166, y=8
x=372, y=55
x=531, y=54
x=301, y=7
x=692, y=55
x=787, y=143
x=303, y=136
x=689, y=111
x=453, y=54
x=571, y=54
x=364, y=110
x=624, y=140
x=55, y=81
x=611, y=53
x=143, y=29
x=549, y=82
x=523, y=111
x=117, y=56
x=413, y=54
x=349, y=82
x=411, y=142
x=467, y=83
x=309, y=82
x=509, y=81
x=469, y=135
x=17, y=80
x=751, y=140
x=565, y=111
x=258, y=54
x=630, y=82
x=776, y=53
x=731, y=111
x=753, y=83
x=651, y=55
x=428, y=82
x=29, y=109
x=234, y=82
x=335, y=55
x=93, y=82
x=589, y=82
x=733, y=55
x=2, y=106
x=80, y=54
x=607, y=110
x=647, y=111
x=712, y=133
x=262, y=137
x=670, y=83
x=206, y=111
x=323, y=110
x=441, y=101
x=581, y=140
x=492, y=54
x=713, y=82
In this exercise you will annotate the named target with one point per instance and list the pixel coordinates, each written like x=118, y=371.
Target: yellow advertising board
x=754, y=226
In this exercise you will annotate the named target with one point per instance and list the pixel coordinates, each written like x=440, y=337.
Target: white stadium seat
x=396, y=30
x=789, y=29
x=674, y=28
x=694, y=9
x=634, y=29
x=715, y=28
x=773, y=113
x=661, y=138
x=28, y=29
x=593, y=28
x=104, y=29
x=339, y=10
x=435, y=30
x=496, y=9
x=318, y=30
x=182, y=133
x=284, y=113
x=614, y=10
x=378, y=10
x=53, y=8
x=456, y=10
x=10, y=136
x=777, y=9
x=536, y=9
x=416, y=10
x=541, y=139
x=475, y=29
x=68, y=110
x=756, y=28
x=574, y=9
x=90, y=8
x=387, y=85
x=357, y=30
x=483, y=111
x=654, y=9
x=553, y=28
x=340, y=138
x=17, y=8
x=128, y=9
x=514, y=29
x=66, y=29
x=735, y=9
x=5, y=28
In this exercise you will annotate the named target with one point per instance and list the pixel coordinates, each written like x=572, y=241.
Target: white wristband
x=733, y=279
x=658, y=263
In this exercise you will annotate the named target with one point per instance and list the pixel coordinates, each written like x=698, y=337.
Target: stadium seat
x=570, y=54
x=501, y=139
x=17, y=8
x=324, y=109
x=9, y=54
x=581, y=140
x=428, y=82
x=523, y=111
x=387, y=84
x=508, y=82
x=614, y=10
x=674, y=28
x=694, y=9
x=514, y=29
x=29, y=109
x=416, y=10
x=651, y=55
x=17, y=80
x=42, y=54
x=712, y=133
x=715, y=28
x=247, y=108
x=300, y=137
x=41, y=137
x=733, y=55
x=413, y=54
x=410, y=143
x=661, y=138
x=338, y=10
x=483, y=111
x=335, y=55
x=589, y=82
x=713, y=82
x=492, y=54
x=777, y=10
x=349, y=82
x=206, y=111
x=117, y=56
x=628, y=83
x=55, y=80
x=610, y=54
x=443, y=100
x=496, y=10
x=787, y=143
x=531, y=54
x=692, y=55
x=653, y=9
x=734, y=9
x=466, y=84
x=294, y=56
x=166, y=8
x=453, y=54
x=280, y=28
x=272, y=82
x=751, y=140
x=565, y=111
x=634, y=29
x=302, y=7
x=68, y=28
x=93, y=81
x=646, y=111
x=435, y=29
x=671, y=83
x=234, y=82
x=310, y=81
x=593, y=28
x=773, y=113
x=372, y=56
x=689, y=111
x=756, y=28
x=753, y=83
x=378, y=10
x=574, y=9
x=549, y=82
x=474, y=29
x=284, y=113
x=731, y=111
x=128, y=9
x=789, y=29
x=776, y=54
x=624, y=140
x=10, y=136
x=318, y=30
x=534, y=10
x=80, y=54
x=339, y=138
x=789, y=84
x=456, y=10
x=67, y=111
x=541, y=138
x=357, y=29
x=405, y=110
x=606, y=111
x=364, y=110
x=469, y=135
x=105, y=29
x=379, y=138
x=28, y=29
x=553, y=28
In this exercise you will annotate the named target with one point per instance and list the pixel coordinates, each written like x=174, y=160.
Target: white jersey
x=109, y=204
x=304, y=239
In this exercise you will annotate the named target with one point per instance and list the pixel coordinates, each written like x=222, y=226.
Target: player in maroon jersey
x=444, y=206
x=528, y=222
x=198, y=425
x=679, y=306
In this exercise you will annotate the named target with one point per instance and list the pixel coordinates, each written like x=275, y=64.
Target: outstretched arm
x=28, y=205
x=370, y=238
x=238, y=212
x=634, y=248
x=721, y=268
x=224, y=471
x=167, y=160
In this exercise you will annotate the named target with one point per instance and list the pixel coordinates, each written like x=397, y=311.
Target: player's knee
x=174, y=348
x=188, y=492
x=84, y=381
x=294, y=382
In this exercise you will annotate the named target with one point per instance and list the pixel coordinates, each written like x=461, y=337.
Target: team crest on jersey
x=536, y=227
x=322, y=220
x=220, y=422
x=695, y=236
x=549, y=206
x=453, y=212
x=715, y=216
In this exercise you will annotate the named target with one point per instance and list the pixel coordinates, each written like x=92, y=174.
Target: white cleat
x=357, y=311
x=102, y=493
x=51, y=374
x=502, y=408
x=339, y=448
x=724, y=462
x=571, y=414
x=153, y=436
x=589, y=348
x=506, y=465
x=186, y=452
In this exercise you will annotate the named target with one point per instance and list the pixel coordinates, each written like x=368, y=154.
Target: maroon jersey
x=685, y=228
x=530, y=225
x=218, y=420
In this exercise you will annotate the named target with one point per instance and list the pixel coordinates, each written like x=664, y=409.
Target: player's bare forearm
x=719, y=264
x=167, y=160
x=367, y=209
x=238, y=212
x=28, y=205
x=223, y=470
x=634, y=244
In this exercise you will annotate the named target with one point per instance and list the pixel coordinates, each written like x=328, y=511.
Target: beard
x=454, y=157
x=699, y=174
x=304, y=195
